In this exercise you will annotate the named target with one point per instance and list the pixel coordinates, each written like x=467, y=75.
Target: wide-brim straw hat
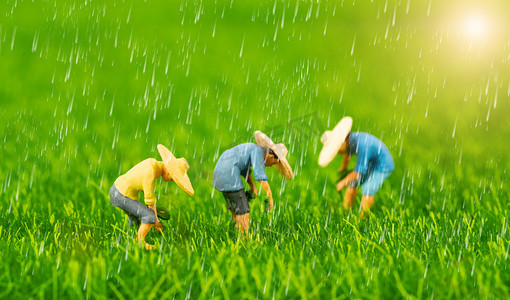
x=177, y=167
x=281, y=151
x=333, y=140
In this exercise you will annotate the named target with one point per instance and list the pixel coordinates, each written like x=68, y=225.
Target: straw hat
x=333, y=140
x=281, y=151
x=177, y=167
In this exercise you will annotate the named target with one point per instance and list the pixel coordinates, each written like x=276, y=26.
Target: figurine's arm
x=345, y=162
x=252, y=185
x=353, y=176
x=148, y=192
x=265, y=185
x=150, y=200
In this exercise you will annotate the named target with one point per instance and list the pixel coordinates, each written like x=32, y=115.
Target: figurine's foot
x=246, y=236
x=159, y=227
x=347, y=205
x=149, y=247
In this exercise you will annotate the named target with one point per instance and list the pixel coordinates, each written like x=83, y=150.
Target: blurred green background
x=196, y=76
x=88, y=89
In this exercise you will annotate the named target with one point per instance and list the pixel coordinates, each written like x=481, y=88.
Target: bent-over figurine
x=142, y=178
x=374, y=162
x=236, y=162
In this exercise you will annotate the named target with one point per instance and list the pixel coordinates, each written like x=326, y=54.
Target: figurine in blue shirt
x=374, y=162
x=237, y=162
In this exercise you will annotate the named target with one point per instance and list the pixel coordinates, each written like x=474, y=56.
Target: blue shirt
x=236, y=162
x=371, y=153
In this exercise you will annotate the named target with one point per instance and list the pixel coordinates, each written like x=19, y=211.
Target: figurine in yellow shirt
x=142, y=178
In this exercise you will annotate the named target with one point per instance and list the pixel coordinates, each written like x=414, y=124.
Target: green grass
x=89, y=90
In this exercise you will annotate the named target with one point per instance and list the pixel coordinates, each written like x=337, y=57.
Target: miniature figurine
x=373, y=164
x=236, y=162
x=142, y=177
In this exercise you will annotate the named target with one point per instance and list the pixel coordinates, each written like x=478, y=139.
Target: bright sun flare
x=475, y=26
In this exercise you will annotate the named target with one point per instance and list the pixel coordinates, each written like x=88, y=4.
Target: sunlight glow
x=476, y=27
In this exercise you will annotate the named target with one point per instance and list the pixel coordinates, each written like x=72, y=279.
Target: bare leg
x=243, y=223
x=366, y=203
x=350, y=195
x=142, y=232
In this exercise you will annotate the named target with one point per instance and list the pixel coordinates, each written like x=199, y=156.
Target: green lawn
x=87, y=90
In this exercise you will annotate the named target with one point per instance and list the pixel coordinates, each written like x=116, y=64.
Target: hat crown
x=325, y=136
x=180, y=164
x=333, y=140
x=282, y=149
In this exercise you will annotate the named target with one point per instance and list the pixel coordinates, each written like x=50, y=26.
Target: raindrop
x=111, y=107
x=129, y=14
x=454, y=127
x=394, y=15
x=295, y=12
x=13, y=37
x=86, y=278
x=353, y=44
x=496, y=99
x=35, y=41
x=242, y=47
x=283, y=17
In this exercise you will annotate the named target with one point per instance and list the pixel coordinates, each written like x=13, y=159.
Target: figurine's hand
x=154, y=209
x=340, y=185
x=270, y=206
x=158, y=226
x=342, y=174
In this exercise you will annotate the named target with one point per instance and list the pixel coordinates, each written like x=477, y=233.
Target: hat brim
x=184, y=183
x=335, y=140
x=164, y=152
x=283, y=165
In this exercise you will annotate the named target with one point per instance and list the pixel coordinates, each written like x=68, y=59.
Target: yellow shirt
x=141, y=177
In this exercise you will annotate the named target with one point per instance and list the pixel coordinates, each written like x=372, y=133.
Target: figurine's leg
x=243, y=223
x=366, y=203
x=370, y=188
x=142, y=232
x=133, y=220
x=133, y=208
x=350, y=195
x=237, y=204
x=136, y=212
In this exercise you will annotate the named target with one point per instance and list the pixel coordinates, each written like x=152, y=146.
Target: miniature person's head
x=165, y=173
x=275, y=155
x=345, y=145
x=271, y=158
x=175, y=169
x=335, y=141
